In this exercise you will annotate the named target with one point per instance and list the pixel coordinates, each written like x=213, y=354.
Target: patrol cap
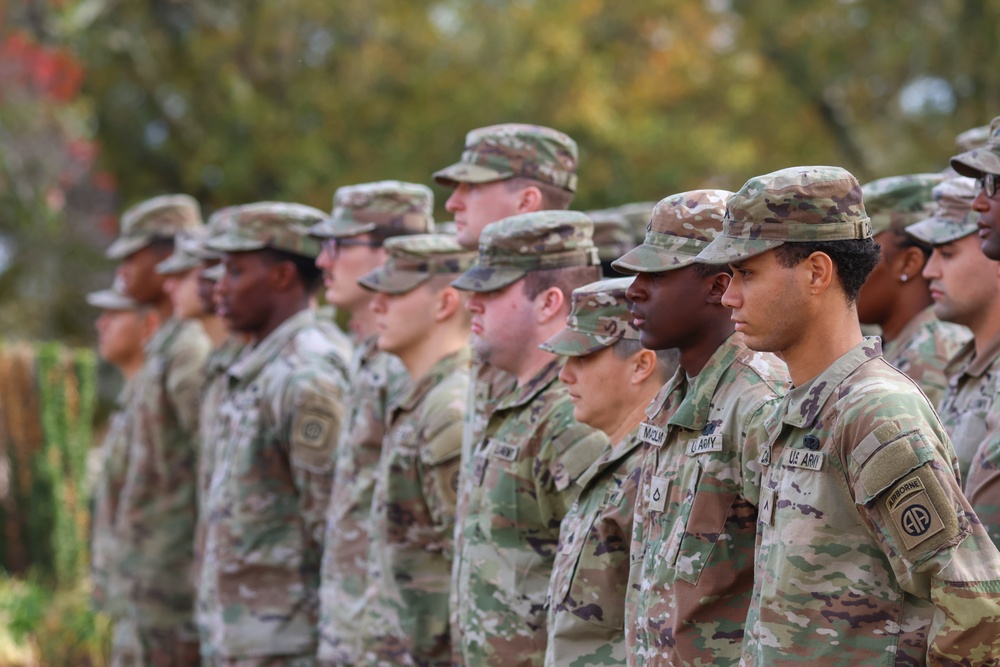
x=500, y=152
x=972, y=139
x=274, y=225
x=954, y=217
x=510, y=248
x=213, y=273
x=681, y=226
x=112, y=299
x=187, y=245
x=598, y=318
x=157, y=218
x=612, y=233
x=797, y=204
x=979, y=161
x=403, y=208
x=897, y=201
x=413, y=259
x=217, y=224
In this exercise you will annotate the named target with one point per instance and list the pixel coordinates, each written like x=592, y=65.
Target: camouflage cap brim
x=337, y=229
x=110, y=299
x=214, y=273
x=977, y=162
x=650, y=259
x=570, y=343
x=487, y=278
x=938, y=232
x=233, y=242
x=177, y=263
x=123, y=247
x=389, y=281
x=462, y=172
x=726, y=249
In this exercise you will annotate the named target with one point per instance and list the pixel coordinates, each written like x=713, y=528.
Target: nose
x=568, y=372
x=733, y=296
x=325, y=259
x=474, y=304
x=456, y=201
x=932, y=269
x=637, y=290
x=981, y=203
x=377, y=305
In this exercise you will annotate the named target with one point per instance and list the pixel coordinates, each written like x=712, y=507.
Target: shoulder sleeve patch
x=314, y=434
x=919, y=516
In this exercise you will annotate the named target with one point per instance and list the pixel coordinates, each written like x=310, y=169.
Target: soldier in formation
x=508, y=460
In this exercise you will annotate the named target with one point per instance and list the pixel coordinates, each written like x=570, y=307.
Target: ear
x=529, y=200
x=820, y=270
x=449, y=302
x=720, y=283
x=549, y=305
x=643, y=365
x=283, y=276
x=909, y=263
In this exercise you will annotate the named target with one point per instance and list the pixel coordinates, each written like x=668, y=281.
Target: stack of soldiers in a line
x=508, y=459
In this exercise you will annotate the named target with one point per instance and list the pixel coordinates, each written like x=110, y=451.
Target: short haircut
x=904, y=241
x=666, y=360
x=310, y=275
x=566, y=279
x=855, y=259
x=162, y=245
x=554, y=198
x=709, y=270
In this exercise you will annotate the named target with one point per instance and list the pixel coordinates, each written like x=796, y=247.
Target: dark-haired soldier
x=279, y=419
x=155, y=518
x=867, y=551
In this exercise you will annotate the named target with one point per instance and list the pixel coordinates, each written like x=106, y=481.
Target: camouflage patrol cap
x=599, y=318
x=612, y=233
x=274, y=225
x=412, y=260
x=405, y=208
x=510, y=248
x=113, y=298
x=973, y=139
x=981, y=161
x=798, y=204
x=681, y=226
x=187, y=246
x=214, y=273
x=954, y=217
x=218, y=223
x=157, y=218
x=898, y=201
x=499, y=152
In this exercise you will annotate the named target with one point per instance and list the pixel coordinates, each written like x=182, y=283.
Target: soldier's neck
x=826, y=340
x=362, y=323
x=986, y=327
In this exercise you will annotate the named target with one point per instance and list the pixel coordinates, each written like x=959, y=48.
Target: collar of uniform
x=254, y=359
x=223, y=356
x=611, y=456
x=910, y=330
x=677, y=384
x=980, y=363
x=803, y=404
x=160, y=340
x=692, y=413
x=438, y=372
x=525, y=394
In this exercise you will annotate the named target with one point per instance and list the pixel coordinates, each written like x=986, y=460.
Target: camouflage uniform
x=518, y=484
x=155, y=521
x=270, y=478
x=113, y=460
x=405, y=620
x=983, y=484
x=377, y=381
x=925, y=345
x=972, y=379
x=586, y=597
x=867, y=551
x=612, y=236
x=691, y=571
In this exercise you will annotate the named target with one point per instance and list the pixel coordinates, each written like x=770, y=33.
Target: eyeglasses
x=989, y=184
x=333, y=246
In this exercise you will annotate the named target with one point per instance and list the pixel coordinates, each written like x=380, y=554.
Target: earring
x=904, y=278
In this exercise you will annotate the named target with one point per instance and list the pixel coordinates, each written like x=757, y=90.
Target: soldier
x=867, y=551
x=123, y=328
x=896, y=296
x=532, y=451
x=182, y=284
x=422, y=319
x=693, y=535
x=364, y=217
x=610, y=378
x=965, y=286
x=155, y=522
x=270, y=478
x=983, y=484
x=612, y=236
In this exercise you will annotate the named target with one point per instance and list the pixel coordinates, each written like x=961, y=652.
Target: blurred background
x=105, y=102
